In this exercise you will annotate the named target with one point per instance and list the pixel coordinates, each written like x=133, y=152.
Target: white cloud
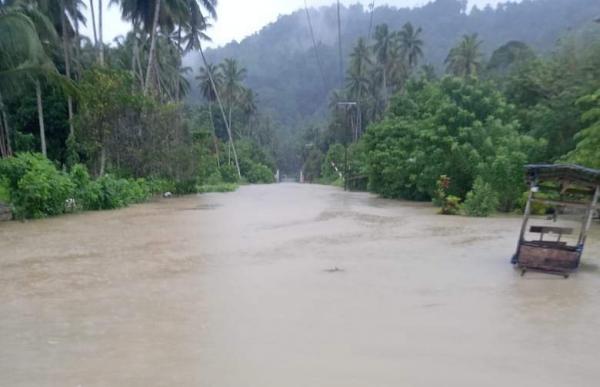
x=240, y=18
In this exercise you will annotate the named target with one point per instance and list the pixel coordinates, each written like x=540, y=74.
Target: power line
x=371, y=22
x=339, y=21
x=314, y=42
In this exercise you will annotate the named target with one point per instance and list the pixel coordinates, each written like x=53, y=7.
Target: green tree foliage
x=482, y=200
x=465, y=59
x=455, y=127
x=37, y=188
x=587, y=150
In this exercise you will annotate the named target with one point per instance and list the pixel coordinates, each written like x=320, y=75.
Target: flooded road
x=288, y=285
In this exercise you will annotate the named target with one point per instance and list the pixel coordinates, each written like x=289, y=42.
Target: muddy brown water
x=288, y=285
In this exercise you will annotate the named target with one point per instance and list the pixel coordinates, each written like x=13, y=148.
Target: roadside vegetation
x=86, y=125
x=471, y=129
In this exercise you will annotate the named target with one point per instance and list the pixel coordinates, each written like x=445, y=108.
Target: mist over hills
x=282, y=66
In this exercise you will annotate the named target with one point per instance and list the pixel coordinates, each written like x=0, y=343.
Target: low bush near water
x=38, y=189
x=482, y=201
x=221, y=187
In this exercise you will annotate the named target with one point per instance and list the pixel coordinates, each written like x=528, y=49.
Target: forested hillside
x=282, y=66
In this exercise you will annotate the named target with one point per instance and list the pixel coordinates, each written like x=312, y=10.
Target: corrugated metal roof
x=573, y=173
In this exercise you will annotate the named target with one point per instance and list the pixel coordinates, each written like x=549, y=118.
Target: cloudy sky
x=240, y=18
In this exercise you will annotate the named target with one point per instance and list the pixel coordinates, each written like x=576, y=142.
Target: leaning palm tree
x=208, y=74
x=61, y=13
x=195, y=38
x=22, y=54
x=465, y=58
x=411, y=44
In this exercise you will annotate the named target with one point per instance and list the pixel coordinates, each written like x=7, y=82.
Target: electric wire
x=314, y=42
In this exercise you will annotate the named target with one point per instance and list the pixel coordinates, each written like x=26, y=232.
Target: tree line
x=465, y=135
x=120, y=109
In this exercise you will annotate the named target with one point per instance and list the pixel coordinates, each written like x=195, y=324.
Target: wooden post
x=525, y=217
x=587, y=221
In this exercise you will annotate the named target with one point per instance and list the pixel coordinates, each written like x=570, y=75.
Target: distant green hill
x=283, y=70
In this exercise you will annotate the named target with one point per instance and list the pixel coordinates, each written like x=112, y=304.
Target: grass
x=221, y=187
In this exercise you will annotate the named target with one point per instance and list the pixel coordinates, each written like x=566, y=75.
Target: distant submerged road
x=288, y=286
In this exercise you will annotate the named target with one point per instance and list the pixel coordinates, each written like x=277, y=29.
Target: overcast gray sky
x=240, y=18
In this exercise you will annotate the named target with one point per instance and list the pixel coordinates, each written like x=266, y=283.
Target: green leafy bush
x=222, y=187
x=450, y=205
x=259, y=174
x=37, y=189
x=4, y=192
x=185, y=187
x=228, y=173
x=482, y=200
x=454, y=127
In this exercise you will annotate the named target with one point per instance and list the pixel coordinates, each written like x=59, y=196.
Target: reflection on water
x=287, y=285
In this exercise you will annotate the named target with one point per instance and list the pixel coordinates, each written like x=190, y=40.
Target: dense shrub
x=228, y=173
x=335, y=156
x=184, y=187
x=109, y=192
x=482, y=200
x=454, y=127
x=4, y=191
x=259, y=174
x=37, y=189
x=450, y=205
x=221, y=187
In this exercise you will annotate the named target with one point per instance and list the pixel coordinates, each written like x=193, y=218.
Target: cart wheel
x=523, y=272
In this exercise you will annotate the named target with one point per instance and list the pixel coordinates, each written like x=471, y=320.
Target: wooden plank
x=547, y=258
x=551, y=230
x=564, y=204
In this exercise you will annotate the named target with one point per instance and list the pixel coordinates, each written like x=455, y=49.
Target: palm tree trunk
x=65, y=42
x=4, y=132
x=152, y=46
x=212, y=82
x=77, y=48
x=94, y=23
x=40, y=108
x=385, y=93
x=212, y=123
x=137, y=58
x=178, y=83
x=102, y=160
x=100, y=42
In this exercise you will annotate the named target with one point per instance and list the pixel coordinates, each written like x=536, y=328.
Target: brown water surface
x=288, y=285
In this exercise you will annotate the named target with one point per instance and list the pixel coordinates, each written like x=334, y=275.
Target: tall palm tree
x=61, y=13
x=411, y=44
x=465, y=58
x=22, y=53
x=360, y=61
x=209, y=74
x=384, y=41
x=233, y=76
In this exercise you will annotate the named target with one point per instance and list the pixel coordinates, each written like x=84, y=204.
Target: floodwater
x=288, y=285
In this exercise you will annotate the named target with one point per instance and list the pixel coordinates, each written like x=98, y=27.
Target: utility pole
x=355, y=127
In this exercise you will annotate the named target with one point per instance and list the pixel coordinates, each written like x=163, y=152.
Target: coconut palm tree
x=233, y=76
x=209, y=74
x=61, y=13
x=22, y=54
x=465, y=58
x=384, y=41
x=411, y=44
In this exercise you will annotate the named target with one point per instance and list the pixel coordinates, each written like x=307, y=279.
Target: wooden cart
x=571, y=187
